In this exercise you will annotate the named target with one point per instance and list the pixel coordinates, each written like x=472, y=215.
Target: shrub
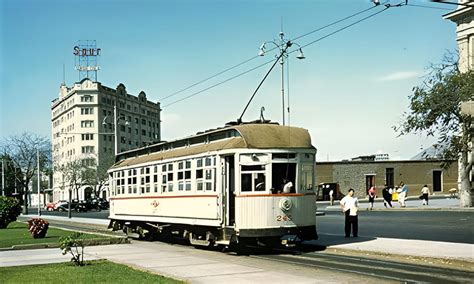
x=9, y=209
x=38, y=227
x=71, y=244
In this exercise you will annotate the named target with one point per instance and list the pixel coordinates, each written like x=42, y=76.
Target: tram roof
x=251, y=135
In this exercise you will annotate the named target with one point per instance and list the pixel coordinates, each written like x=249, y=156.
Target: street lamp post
x=282, y=46
x=39, y=183
x=3, y=176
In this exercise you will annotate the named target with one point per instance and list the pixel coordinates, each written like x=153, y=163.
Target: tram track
x=388, y=270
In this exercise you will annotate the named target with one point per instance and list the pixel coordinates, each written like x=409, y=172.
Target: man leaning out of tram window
x=287, y=186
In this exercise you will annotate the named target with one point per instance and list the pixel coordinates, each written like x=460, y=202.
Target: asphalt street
x=446, y=226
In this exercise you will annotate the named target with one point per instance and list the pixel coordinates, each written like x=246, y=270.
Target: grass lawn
x=17, y=234
x=100, y=271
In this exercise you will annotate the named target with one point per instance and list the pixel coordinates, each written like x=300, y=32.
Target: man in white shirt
x=349, y=206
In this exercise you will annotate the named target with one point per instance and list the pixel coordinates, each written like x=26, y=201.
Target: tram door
x=230, y=190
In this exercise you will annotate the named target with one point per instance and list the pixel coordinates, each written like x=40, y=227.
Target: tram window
x=253, y=168
x=147, y=171
x=199, y=185
x=281, y=172
x=208, y=174
x=181, y=186
x=142, y=181
x=163, y=183
x=187, y=175
x=155, y=178
x=180, y=165
x=147, y=189
x=170, y=187
x=134, y=172
x=142, y=171
x=135, y=189
x=156, y=188
x=259, y=181
x=163, y=168
x=208, y=186
x=129, y=180
x=180, y=175
x=142, y=190
x=246, y=182
x=147, y=179
x=134, y=180
x=118, y=182
x=155, y=169
x=170, y=176
x=199, y=163
x=284, y=155
x=170, y=167
x=188, y=164
x=129, y=190
x=208, y=161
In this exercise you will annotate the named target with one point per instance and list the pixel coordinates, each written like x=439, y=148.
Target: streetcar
x=243, y=183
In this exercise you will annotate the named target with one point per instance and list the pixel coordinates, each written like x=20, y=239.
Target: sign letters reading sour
x=86, y=51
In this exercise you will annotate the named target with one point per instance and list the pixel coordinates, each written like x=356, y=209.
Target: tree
x=76, y=173
x=101, y=174
x=23, y=152
x=435, y=109
x=12, y=175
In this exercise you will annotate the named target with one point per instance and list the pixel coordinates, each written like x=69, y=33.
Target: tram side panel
x=275, y=211
x=187, y=208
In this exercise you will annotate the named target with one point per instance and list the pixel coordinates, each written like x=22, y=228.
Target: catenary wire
x=261, y=65
x=220, y=83
x=254, y=57
x=429, y=7
x=343, y=28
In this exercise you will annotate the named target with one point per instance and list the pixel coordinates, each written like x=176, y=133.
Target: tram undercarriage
x=206, y=236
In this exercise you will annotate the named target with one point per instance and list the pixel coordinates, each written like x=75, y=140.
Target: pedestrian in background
x=402, y=193
x=371, y=197
x=387, y=196
x=331, y=197
x=425, y=192
x=349, y=206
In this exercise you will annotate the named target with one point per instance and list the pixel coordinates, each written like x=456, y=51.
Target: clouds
x=400, y=75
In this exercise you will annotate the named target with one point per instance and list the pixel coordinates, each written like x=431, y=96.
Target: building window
x=87, y=149
x=87, y=136
x=87, y=123
x=87, y=110
x=86, y=98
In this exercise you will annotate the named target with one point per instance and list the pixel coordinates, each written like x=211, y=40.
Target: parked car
x=102, y=203
x=78, y=206
x=50, y=206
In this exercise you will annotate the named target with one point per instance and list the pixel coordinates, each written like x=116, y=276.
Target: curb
x=450, y=209
x=87, y=242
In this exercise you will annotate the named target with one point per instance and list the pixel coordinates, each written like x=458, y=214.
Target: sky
x=349, y=91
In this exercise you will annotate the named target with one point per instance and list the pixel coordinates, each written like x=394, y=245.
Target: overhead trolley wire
x=256, y=56
x=429, y=7
x=261, y=65
x=220, y=83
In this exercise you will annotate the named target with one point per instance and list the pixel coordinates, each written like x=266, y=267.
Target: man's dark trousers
x=351, y=220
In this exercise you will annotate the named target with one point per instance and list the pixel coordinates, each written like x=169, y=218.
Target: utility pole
x=3, y=176
x=39, y=183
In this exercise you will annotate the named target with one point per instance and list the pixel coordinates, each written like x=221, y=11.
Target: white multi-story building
x=83, y=128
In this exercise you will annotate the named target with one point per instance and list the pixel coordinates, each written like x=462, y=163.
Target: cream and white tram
x=251, y=181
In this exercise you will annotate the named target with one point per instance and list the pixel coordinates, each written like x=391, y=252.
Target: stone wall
x=413, y=173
